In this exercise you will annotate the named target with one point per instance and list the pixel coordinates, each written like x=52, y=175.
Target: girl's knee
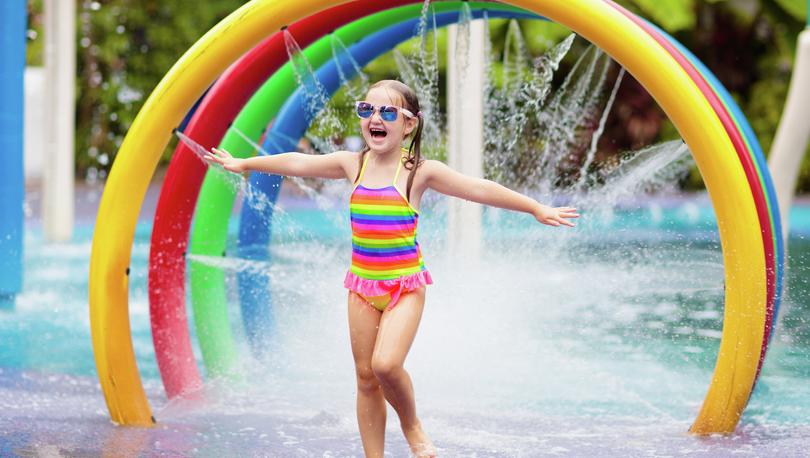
x=367, y=381
x=384, y=368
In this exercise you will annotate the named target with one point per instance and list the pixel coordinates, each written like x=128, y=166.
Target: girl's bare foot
x=420, y=443
x=424, y=451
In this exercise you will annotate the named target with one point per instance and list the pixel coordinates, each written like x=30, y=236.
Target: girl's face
x=384, y=136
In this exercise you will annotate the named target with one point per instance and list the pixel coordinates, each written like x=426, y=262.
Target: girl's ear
x=410, y=125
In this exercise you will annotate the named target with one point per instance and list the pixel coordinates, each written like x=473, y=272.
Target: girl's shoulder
x=350, y=161
x=431, y=164
x=428, y=167
x=346, y=157
x=347, y=153
x=434, y=171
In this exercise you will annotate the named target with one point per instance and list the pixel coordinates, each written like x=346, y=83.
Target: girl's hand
x=555, y=216
x=227, y=161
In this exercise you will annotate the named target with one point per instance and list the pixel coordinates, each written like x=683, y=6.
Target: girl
x=387, y=277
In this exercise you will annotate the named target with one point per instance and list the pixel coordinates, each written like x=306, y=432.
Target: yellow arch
x=651, y=65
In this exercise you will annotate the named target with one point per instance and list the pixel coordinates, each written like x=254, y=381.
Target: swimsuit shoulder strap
x=362, y=169
x=404, y=197
x=396, y=175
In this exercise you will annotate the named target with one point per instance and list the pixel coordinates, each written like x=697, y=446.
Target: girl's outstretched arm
x=445, y=180
x=330, y=165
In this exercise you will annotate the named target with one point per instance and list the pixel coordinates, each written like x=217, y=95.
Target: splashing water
x=643, y=171
x=463, y=42
x=322, y=201
x=420, y=71
x=548, y=147
x=356, y=87
x=509, y=135
x=196, y=148
x=320, y=111
x=583, y=172
x=252, y=196
x=564, y=124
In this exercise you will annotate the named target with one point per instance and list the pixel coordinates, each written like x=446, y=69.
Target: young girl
x=387, y=277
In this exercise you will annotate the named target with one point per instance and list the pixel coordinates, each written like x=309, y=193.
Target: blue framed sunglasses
x=388, y=113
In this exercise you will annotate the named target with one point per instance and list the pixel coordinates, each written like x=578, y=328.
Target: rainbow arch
x=724, y=148
x=182, y=187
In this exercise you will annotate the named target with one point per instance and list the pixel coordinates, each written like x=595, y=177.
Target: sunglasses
x=387, y=112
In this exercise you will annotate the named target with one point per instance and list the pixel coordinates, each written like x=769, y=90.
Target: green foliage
x=35, y=48
x=796, y=8
x=671, y=15
x=542, y=35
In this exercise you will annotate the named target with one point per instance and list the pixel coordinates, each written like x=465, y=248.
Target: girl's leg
x=397, y=330
x=364, y=321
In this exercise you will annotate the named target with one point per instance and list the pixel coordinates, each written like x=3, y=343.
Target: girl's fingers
x=218, y=153
x=562, y=220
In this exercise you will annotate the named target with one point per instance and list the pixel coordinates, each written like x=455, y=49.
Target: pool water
x=594, y=341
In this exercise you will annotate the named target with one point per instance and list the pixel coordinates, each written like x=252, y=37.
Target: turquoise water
x=595, y=341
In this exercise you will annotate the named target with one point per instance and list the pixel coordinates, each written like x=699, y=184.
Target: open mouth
x=377, y=132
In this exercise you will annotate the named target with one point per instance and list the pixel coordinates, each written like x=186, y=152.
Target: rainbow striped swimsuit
x=386, y=259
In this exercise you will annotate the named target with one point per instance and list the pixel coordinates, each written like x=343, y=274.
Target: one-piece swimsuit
x=386, y=258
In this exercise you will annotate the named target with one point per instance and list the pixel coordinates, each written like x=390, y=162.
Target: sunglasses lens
x=365, y=110
x=388, y=113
